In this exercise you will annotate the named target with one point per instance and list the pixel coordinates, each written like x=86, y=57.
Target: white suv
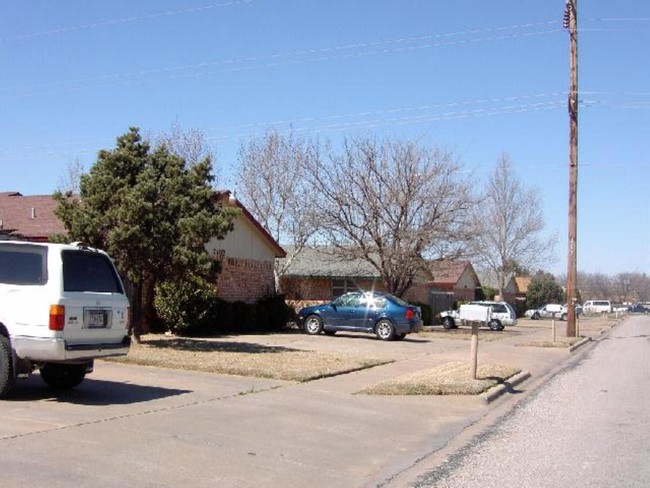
x=61, y=306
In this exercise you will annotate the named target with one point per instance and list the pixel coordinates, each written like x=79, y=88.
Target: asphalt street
x=588, y=427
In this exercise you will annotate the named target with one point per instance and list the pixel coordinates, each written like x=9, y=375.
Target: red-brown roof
x=522, y=283
x=31, y=217
x=448, y=272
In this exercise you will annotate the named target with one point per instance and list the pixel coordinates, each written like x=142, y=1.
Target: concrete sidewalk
x=141, y=427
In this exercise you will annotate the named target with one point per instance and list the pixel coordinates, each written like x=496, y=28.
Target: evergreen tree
x=151, y=213
x=543, y=289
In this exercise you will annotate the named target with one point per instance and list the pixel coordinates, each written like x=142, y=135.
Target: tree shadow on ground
x=212, y=345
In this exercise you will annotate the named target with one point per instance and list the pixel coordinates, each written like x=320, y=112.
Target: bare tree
x=189, y=144
x=508, y=226
x=596, y=286
x=70, y=180
x=639, y=287
x=394, y=204
x=271, y=177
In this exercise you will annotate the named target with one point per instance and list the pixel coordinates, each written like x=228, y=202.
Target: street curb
x=495, y=392
x=498, y=390
x=579, y=344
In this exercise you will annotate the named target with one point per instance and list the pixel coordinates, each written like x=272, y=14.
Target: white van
x=597, y=306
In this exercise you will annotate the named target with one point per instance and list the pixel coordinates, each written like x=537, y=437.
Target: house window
x=339, y=287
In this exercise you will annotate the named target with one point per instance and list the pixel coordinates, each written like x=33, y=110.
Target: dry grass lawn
x=448, y=379
x=244, y=359
x=221, y=356
x=465, y=333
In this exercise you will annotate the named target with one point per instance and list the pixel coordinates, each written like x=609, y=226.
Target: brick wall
x=245, y=280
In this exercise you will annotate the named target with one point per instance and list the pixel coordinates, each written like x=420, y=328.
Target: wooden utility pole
x=571, y=24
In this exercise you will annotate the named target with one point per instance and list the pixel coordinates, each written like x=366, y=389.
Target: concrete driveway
x=139, y=426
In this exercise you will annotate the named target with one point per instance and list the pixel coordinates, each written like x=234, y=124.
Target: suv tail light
x=57, y=317
x=409, y=313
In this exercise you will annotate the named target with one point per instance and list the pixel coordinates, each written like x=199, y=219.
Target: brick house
x=319, y=274
x=247, y=254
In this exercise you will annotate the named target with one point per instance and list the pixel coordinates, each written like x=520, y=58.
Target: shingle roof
x=324, y=262
x=448, y=271
x=32, y=216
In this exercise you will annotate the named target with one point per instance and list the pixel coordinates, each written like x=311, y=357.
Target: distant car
x=597, y=306
x=638, y=308
x=385, y=315
x=502, y=314
x=551, y=311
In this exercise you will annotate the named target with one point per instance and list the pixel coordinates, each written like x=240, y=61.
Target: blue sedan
x=385, y=315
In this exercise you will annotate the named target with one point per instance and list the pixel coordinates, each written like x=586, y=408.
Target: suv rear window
x=23, y=265
x=89, y=271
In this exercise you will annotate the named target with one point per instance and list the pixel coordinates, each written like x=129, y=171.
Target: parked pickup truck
x=494, y=315
x=61, y=306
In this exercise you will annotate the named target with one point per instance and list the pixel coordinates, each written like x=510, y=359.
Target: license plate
x=96, y=319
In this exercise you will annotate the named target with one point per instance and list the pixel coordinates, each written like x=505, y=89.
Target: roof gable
x=225, y=197
x=450, y=271
x=522, y=283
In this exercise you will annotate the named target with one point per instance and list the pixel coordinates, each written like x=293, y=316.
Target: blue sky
x=478, y=77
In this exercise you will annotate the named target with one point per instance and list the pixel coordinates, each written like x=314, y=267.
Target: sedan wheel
x=385, y=330
x=313, y=325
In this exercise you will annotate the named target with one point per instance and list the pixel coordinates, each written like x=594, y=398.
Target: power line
x=126, y=20
x=391, y=110
x=329, y=124
x=338, y=127
x=128, y=79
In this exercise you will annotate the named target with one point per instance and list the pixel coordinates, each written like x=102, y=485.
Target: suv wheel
x=448, y=323
x=63, y=376
x=6, y=371
x=494, y=324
